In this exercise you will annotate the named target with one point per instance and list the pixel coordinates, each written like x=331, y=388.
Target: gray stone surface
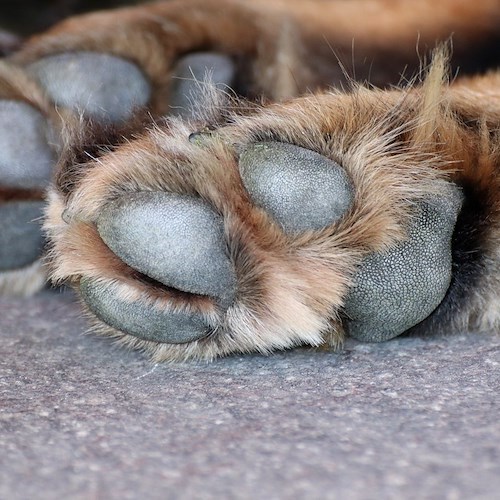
x=79, y=418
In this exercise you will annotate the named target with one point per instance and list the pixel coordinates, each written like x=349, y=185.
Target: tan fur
x=397, y=145
x=394, y=145
x=23, y=282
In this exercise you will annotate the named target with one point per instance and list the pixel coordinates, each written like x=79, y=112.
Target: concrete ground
x=82, y=419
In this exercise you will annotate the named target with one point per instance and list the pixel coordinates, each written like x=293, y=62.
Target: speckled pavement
x=82, y=419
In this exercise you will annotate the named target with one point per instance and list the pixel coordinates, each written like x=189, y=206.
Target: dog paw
x=158, y=58
x=256, y=236
x=179, y=241
x=28, y=152
x=108, y=88
x=149, y=64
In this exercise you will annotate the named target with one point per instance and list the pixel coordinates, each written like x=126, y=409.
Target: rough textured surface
x=395, y=290
x=301, y=189
x=99, y=85
x=21, y=240
x=189, y=76
x=143, y=321
x=79, y=419
x=177, y=240
x=26, y=159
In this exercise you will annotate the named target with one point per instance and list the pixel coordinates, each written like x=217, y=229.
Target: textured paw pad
x=26, y=159
x=302, y=190
x=140, y=320
x=175, y=239
x=101, y=86
x=21, y=236
x=395, y=290
x=189, y=76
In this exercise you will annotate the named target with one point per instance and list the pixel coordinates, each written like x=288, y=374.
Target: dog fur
x=396, y=144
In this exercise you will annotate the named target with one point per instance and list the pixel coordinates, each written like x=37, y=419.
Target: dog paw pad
x=191, y=74
x=22, y=239
x=301, y=189
x=26, y=158
x=141, y=320
x=395, y=290
x=175, y=239
x=102, y=86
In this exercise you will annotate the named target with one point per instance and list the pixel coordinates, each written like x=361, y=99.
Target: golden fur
x=394, y=145
x=397, y=145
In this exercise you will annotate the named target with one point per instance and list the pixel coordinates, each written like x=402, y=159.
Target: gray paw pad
x=139, y=320
x=101, y=86
x=188, y=77
x=302, y=190
x=20, y=232
x=26, y=159
x=395, y=290
x=177, y=240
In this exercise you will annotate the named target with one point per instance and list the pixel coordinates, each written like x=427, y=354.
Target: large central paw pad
x=174, y=239
x=396, y=289
x=301, y=189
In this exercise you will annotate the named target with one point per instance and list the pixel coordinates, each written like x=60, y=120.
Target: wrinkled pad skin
x=26, y=158
x=301, y=189
x=139, y=320
x=104, y=87
x=188, y=77
x=395, y=290
x=21, y=239
x=178, y=240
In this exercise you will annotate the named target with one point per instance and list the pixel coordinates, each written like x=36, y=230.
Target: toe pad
x=189, y=77
x=20, y=232
x=141, y=320
x=301, y=189
x=26, y=159
x=175, y=239
x=101, y=86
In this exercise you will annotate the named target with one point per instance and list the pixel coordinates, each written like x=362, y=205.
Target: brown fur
x=396, y=145
x=284, y=47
